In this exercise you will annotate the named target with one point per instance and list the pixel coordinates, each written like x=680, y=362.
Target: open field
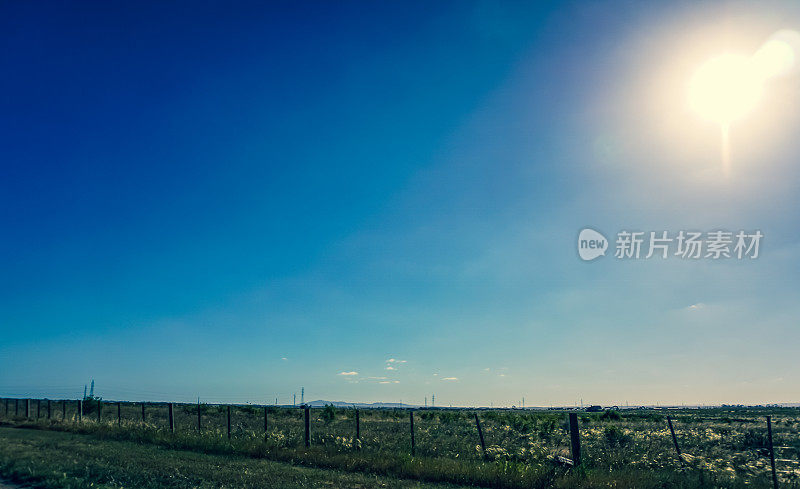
x=633, y=448
x=67, y=460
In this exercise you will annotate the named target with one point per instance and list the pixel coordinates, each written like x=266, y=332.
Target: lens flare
x=725, y=88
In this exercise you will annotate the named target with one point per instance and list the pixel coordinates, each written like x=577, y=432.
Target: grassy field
x=67, y=460
x=723, y=447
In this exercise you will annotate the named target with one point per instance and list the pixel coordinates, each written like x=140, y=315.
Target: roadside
x=60, y=460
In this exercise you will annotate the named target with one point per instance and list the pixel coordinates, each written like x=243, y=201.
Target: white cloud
x=389, y=367
x=695, y=307
x=348, y=374
x=284, y=359
x=455, y=379
x=384, y=382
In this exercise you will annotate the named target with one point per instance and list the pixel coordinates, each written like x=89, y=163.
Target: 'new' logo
x=591, y=244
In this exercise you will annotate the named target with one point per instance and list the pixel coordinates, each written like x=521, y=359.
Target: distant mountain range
x=374, y=405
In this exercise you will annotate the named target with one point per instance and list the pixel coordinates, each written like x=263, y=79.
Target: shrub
x=610, y=414
x=329, y=413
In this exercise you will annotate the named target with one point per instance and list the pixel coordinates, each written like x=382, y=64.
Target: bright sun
x=725, y=88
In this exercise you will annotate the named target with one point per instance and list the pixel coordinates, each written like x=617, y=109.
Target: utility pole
x=91, y=390
x=433, y=400
x=294, y=399
x=302, y=395
x=84, y=391
x=426, y=401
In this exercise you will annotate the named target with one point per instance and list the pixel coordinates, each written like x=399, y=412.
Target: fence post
x=119, y=413
x=27, y=408
x=307, y=416
x=674, y=438
x=64, y=410
x=171, y=420
x=480, y=434
x=358, y=429
x=229, y=422
x=80, y=410
x=143, y=418
x=16, y=407
x=99, y=410
x=6, y=407
x=413, y=442
x=575, y=439
x=38, y=408
x=265, y=423
x=49, y=411
x=199, y=426
x=772, y=453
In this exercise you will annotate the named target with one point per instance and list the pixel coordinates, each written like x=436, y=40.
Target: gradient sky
x=235, y=200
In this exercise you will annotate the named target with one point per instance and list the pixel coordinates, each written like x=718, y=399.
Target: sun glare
x=725, y=88
x=728, y=87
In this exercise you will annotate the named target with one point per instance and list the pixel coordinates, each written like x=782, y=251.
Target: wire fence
x=739, y=443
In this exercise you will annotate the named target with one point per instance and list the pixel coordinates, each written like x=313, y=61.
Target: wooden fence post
x=119, y=413
x=6, y=407
x=772, y=453
x=229, y=422
x=27, y=408
x=575, y=439
x=265, y=423
x=38, y=408
x=358, y=429
x=199, y=426
x=144, y=420
x=413, y=442
x=674, y=438
x=16, y=407
x=80, y=410
x=99, y=410
x=64, y=410
x=171, y=420
x=307, y=416
x=480, y=434
x=49, y=411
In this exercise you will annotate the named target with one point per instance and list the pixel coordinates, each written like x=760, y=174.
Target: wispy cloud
x=452, y=379
x=284, y=359
x=393, y=363
x=348, y=374
x=695, y=307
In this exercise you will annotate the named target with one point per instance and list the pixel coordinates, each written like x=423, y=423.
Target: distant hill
x=373, y=405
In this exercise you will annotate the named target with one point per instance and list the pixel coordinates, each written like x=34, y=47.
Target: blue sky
x=233, y=201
